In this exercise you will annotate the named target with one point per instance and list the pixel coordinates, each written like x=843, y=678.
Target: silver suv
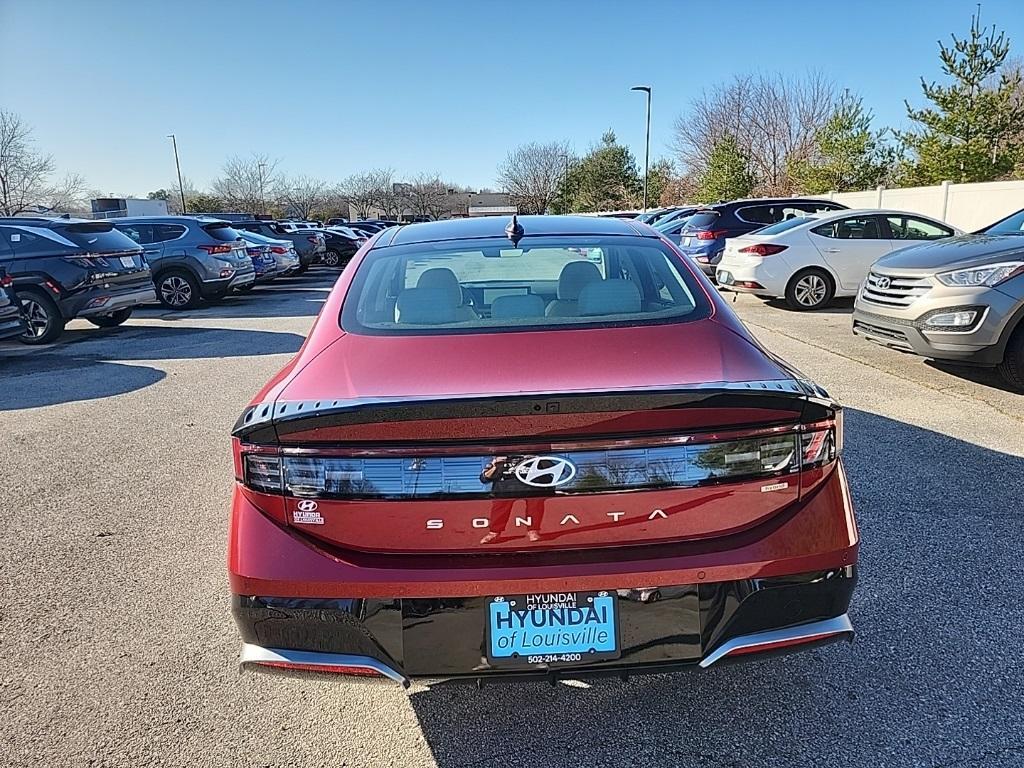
x=191, y=257
x=960, y=299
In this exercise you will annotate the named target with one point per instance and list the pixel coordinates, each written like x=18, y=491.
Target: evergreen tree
x=727, y=175
x=605, y=179
x=848, y=154
x=972, y=131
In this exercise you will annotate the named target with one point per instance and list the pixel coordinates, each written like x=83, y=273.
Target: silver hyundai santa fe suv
x=960, y=299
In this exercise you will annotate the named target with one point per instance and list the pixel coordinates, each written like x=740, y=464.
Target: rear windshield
x=675, y=226
x=701, y=221
x=221, y=231
x=99, y=236
x=782, y=226
x=486, y=286
x=1012, y=225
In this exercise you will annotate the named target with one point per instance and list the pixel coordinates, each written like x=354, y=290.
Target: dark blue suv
x=703, y=237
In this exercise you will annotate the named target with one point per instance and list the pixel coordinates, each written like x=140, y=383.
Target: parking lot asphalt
x=118, y=648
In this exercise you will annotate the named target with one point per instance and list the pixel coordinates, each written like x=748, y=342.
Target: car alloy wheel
x=36, y=317
x=176, y=291
x=810, y=290
x=332, y=258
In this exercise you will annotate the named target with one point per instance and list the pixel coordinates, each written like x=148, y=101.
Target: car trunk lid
x=689, y=436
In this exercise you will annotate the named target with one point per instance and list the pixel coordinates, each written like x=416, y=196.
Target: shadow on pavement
x=301, y=296
x=86, y=365
x=928, y=681
x=148, y=342
x=74, y=380
x=840, y=306
x=988, y=377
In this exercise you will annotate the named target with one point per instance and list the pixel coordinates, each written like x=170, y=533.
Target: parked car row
x=60, y=269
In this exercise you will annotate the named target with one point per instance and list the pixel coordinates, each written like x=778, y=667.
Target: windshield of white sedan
x=491, y=285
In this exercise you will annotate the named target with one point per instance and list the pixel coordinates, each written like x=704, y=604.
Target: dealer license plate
x=552, y=629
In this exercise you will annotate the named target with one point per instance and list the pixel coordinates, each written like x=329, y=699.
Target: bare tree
x=774, y=120
x=25, y=174
x=247, y=183
x=371, y=191
x=301, y=196
x=427, y=196
x=532, y=174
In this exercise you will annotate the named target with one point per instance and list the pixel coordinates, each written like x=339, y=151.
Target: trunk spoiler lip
x=260, y=416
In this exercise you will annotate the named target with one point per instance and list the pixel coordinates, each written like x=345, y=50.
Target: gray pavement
x=118, y=648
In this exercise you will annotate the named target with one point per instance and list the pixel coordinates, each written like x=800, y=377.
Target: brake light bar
x=712, y=234
x=339, y=473
x=212, y=249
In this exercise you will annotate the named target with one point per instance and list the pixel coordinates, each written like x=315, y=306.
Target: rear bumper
x=687, y=626
x=118, y=299
x=424, y=616
x=212, y=288
x=11, y=324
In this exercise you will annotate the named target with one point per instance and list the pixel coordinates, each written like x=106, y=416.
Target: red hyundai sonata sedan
x=538, y=447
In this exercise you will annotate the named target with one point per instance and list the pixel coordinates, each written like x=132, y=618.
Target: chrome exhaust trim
x=253, y=656
x=840, y=625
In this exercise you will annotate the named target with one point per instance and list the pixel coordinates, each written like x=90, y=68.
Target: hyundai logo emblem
x=545, y=471
x=883, y=282
x=306, y=505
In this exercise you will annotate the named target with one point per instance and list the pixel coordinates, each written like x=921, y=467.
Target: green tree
x=971, y=133
x=727, y=175
x=848, y=154
x=203, y=202
x=159, y=194
x=659, y=177
x=605, y=179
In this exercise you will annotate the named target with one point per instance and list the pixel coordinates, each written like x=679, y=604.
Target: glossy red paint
x=379, y=548
x=268, y=558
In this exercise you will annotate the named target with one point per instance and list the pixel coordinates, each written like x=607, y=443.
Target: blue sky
x=332, y=88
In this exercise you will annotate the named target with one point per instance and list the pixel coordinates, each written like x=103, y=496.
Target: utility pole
x=181, y=187
x=647, y=151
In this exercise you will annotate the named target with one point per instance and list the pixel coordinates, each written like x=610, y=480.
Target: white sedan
x=810, y=260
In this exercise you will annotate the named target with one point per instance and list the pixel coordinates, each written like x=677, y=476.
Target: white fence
x=967, y=206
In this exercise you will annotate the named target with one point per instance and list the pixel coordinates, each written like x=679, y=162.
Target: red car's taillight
x=710, y=234
x=212, y=249
x=822, y=443
x=763, y=249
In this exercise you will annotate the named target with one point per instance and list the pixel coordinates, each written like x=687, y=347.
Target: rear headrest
x=574, y=276
x=517, y=306
x=609, y=297
x=425, y=306
x=444, y=279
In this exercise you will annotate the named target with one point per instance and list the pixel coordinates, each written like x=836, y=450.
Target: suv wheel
x=112, y=320
x=177, y=289
x=1012, y=367
x=332, y=258
x=45, y=322
x=809, y=289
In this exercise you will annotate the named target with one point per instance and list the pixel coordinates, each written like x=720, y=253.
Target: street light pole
x=263, y=199
x=647, y=151
x=181, y=187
